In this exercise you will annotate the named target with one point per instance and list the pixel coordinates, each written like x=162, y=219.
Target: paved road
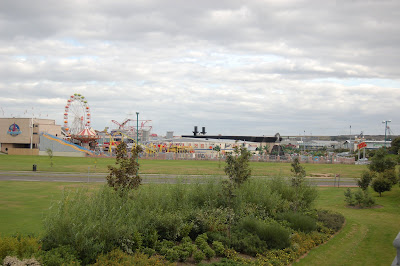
x=147, y=178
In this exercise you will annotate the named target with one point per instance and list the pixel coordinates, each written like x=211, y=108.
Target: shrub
x=247, y=243
x=219, y=248
x=365, y=179
x=19, y=246
x=381, y=184
x=126, y=175
x=118, y=257
x=273, y=234
x=209, y=252
x=359, y=198
x=298, y=221
x=11, y=261
x=59, y=256
x=331, y=220
x=276, y=236
x=237, y=166
x=91, y=223
x=198, y=256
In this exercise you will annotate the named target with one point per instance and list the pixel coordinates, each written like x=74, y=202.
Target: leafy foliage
x=18, y=246
x=299, y=173
x=381, y=162
x=360, y=198
x=365, y=179
x=126, y=175
x=395, y=145
x=331, y=220
x=237, y=165
x=381, y=184
x=163, y=219
x=299, y=221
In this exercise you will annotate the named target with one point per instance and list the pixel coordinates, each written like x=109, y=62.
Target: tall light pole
x=350, y=138
x=386, y=122
x=137, y=133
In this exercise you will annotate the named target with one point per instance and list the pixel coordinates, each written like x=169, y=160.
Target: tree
x=380, y=162
x=365, y=179
x=126, y=175
x=381, y=184
x=237, y=165
x=50, y=153
x=395, y=145
x=299, y=173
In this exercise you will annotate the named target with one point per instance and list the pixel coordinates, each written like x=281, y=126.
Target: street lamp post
x=137, y=131
x=137, y=137
x=386, y=122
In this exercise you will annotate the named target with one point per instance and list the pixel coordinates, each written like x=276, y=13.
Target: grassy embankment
x=178, y=167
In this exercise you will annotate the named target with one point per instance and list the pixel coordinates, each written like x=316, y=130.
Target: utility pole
x=386, y=122
x=350, y=138
x=137, y=133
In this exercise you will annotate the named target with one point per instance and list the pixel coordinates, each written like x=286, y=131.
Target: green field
x=178, y=167
x=366, y=238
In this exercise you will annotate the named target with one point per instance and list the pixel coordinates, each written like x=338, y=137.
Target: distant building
x=21, y=135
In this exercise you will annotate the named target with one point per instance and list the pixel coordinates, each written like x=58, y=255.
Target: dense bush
x=331, y=220
x=118, y=257
x=59, y=256
x=18, y=246
x=360, y=198
x=365, y=179
x=298, y=221
x=164, y=219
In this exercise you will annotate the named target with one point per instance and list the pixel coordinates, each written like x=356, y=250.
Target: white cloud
x=258, y=67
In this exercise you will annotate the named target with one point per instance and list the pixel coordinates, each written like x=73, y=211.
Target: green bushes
x=18, y=246
x=298, y=221
x=59, y=256
x=331, y=220
x=360, y=198
x=164, y=219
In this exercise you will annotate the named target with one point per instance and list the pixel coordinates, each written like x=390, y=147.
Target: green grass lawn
x=23, y=204
x=366, y=238
x=178, y=167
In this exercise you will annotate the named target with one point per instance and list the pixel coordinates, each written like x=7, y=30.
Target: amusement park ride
x=78, y=130
x=77, y=127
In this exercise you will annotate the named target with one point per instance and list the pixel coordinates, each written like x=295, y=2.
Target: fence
x=254, y=158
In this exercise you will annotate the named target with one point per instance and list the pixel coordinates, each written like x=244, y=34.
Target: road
x=146, y=178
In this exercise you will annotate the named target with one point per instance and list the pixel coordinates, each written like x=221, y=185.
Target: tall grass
x=95, y=222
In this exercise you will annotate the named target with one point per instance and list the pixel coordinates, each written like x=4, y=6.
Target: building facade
x=21, y=135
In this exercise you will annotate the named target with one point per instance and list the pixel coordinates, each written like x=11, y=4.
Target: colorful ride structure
x=77, y=122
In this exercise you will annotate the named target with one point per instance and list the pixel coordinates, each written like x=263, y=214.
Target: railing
x=396, y=244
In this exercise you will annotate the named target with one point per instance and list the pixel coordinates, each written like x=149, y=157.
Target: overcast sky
x=235, y=67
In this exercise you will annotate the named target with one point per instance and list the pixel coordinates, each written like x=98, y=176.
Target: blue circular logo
x=14, y=130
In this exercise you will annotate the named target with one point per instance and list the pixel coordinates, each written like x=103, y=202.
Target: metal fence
x=254, y=158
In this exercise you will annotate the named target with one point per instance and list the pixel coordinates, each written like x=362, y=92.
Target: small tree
x=365, y=179
x=381, y=184
x=297, y=181
x=380, y=162
x=299, y=173
x=237, y=165
x=126, y=175
x=218, y=149
x=50, y=153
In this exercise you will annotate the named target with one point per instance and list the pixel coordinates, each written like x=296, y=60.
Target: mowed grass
x=178, y=167
x=23, y=205
x=366, y=238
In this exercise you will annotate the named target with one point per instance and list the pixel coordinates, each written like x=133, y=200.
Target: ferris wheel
x=76, y=115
